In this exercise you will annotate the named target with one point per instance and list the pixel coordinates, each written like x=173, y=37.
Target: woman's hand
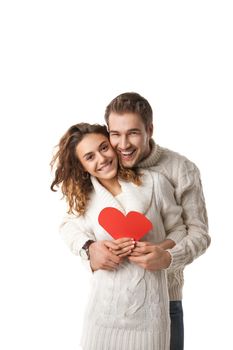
x=124, y=247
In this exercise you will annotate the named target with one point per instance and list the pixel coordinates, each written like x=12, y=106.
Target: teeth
x=127, y=153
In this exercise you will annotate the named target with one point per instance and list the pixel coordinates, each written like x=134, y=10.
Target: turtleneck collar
x=153, y=157
x=136, y=198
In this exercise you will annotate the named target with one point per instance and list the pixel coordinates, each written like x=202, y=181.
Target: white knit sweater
x=128, y=308
x=185, y=179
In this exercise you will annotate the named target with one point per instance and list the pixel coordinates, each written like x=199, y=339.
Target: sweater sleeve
x=75, y=231
x=189, y=194
x=170, y=211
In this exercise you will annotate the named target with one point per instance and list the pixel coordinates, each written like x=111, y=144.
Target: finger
x=123, y=240
x=125, y=254
x=135, y=253
x=109, y=255
x=127, y=245
x=142, y=244
x=110, y=266
x=124, y=250
x=120, y=254
x=114, y=251
x=113, y=258
x=143, y=249
x=111, y=244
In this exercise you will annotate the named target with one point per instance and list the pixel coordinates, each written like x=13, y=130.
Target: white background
x=61, y=63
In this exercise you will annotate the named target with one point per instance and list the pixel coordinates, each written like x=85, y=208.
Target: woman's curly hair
x=70, y=176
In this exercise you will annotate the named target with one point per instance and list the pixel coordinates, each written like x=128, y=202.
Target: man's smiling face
x=129, y=137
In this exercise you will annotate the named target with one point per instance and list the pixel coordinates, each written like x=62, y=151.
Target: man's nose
x=124, y=143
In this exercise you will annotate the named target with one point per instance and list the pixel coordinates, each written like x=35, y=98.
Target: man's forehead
x=125, y=122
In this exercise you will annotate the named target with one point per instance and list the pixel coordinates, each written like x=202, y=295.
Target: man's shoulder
x=174, y=166
x=162, y=156
x=173, y=158
x=168, y=153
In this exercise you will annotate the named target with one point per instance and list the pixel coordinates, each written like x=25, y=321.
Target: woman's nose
x=101, y=158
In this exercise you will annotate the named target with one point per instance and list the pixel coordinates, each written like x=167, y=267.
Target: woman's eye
x=105, y=148
x=89, y=157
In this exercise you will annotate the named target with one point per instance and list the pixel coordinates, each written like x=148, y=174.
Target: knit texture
x=128, y=308
x=185, y=178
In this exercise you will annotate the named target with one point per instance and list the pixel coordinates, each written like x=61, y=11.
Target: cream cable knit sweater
x=185, y=178
x=128, y=308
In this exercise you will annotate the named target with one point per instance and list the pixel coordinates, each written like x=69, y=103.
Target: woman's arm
x=75, y=231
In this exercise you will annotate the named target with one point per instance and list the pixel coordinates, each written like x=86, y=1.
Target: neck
x=153, y=157
x=147, y=152
x=112, y=185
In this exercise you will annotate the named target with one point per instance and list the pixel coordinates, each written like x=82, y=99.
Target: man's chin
x=128, y=163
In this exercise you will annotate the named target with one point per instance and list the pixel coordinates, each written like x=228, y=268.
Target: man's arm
x=107, y=255
x=190, y=194
x=155, y=256
x=75, y=232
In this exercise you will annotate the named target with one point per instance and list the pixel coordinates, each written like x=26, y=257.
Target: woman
x=128, y=307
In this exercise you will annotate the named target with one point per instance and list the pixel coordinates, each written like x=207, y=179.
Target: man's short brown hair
x=130, y=102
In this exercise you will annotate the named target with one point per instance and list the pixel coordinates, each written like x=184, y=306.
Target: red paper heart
x=134, y=224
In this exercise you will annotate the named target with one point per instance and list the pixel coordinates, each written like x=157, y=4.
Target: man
x=129, y=119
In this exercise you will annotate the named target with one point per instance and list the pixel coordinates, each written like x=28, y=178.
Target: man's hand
x=102, y=258
x=150, y=256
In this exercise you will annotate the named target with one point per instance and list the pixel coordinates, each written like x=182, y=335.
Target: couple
x=133, y=281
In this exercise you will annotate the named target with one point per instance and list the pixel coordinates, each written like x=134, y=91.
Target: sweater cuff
x=168, y=268
x=82, y=240
x=177, y=257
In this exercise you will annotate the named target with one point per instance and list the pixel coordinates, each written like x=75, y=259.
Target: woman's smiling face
x=97, y=156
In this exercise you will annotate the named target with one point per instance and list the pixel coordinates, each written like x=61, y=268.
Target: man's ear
x=150, y=130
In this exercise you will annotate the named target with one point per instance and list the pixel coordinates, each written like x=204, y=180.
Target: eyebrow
x=89, y=153
x=130, y=130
